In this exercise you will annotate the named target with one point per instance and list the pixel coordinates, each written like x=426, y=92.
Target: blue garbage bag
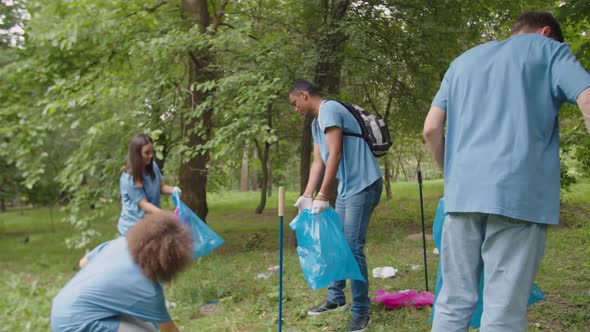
x=205, y=240
x=323, y=252
x=439, y=219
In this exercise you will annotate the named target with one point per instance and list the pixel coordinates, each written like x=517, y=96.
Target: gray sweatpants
x=508, y=250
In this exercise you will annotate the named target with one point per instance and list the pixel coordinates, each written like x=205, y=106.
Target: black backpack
x=373, y=129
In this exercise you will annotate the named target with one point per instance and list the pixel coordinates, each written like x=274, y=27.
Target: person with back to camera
x=119, y=289
x=500, y=157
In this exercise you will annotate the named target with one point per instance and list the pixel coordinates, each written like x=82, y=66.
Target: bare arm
x=434, y=134
x=314, y=173
x=584, y=105
x=83, y=261
x=165, y=189
x=334, y=143
x=167, y=327
x=148, y=207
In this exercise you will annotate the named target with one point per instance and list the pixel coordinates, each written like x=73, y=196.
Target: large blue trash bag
x=205, y=240
x=439, y=219
x=323, y=252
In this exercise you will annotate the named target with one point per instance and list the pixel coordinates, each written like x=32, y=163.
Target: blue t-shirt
x=110, y=285
x=358, y=167
x=502, y=139
x=131, y=195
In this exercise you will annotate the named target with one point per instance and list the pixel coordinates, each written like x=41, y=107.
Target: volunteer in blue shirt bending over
x=141, y=183
x=119, y=289
x=351, y=161
x=500, y=102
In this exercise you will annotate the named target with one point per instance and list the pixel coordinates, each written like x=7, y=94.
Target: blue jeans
x=354, y=212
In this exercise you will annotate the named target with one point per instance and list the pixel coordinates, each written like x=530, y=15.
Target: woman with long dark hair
x=141, y=183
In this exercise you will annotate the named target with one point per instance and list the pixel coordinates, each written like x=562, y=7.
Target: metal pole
x=281, y=214
x=423, y=229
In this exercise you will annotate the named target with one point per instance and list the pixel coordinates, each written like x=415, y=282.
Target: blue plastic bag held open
x=205, y=240
x=439, y=219
x=322, y=249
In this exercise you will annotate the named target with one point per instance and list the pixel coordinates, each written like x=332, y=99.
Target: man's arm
x=315, y=171
x=584, y=105
x=334, y=143
x=167, y=327
x=434, y=134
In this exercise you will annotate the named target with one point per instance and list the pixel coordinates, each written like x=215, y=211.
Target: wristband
x=322, y=194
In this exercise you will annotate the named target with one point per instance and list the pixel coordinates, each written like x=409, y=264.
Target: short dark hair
x=161, y=245
x=135, y=165
x=307, y=86
x=536, y=20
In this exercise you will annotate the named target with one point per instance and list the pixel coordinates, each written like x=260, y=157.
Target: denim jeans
x=354, y=212
x=509, y=252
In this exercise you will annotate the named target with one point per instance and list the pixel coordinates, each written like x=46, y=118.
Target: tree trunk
x=306, y=151
x=269, y=177
x=327, y=74
x=254, y=184
x=244, y=172
x=193, y=172
x=2, y=204
x=387, y=172
x=263, y=157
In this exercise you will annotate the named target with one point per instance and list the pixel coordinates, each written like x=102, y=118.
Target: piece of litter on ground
x=170, y=304
x=273, y=268
x=435, y=251
x=384, y=272
x=264, y=275
x=415, y=267
x=210, y=303
x=395, y=300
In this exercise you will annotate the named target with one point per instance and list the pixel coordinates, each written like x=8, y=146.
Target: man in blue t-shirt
x=118, y=288
x=350, y=160
x=500, y=155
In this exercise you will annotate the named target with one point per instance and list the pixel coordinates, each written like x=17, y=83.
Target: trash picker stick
x=423, y=229
x=281, y=214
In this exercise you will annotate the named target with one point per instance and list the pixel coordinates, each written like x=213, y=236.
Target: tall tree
x=196, y=125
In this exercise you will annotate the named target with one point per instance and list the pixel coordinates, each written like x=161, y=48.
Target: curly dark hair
x=161, y=245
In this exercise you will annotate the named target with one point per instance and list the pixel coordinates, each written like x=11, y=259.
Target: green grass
x=221, y=293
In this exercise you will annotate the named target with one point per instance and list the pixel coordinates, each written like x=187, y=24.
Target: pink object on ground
x=177, y=212
x=396, y=300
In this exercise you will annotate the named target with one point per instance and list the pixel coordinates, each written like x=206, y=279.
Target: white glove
x=175, y=189
x=303, y=203
x=318, y=206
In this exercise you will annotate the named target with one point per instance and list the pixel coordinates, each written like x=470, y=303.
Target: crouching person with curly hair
x=119, y=288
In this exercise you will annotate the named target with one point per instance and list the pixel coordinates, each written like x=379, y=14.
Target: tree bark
x=306, y=151
x=244, y=173
x=263, y=157
x=193, y=172
x=269, y=176
x=327, y=76
x=387, y=172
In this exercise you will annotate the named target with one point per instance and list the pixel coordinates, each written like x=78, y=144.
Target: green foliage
x=90, y=74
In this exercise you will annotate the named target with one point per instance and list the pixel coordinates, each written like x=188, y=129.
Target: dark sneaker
x=325, y=307
x=359, y=323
